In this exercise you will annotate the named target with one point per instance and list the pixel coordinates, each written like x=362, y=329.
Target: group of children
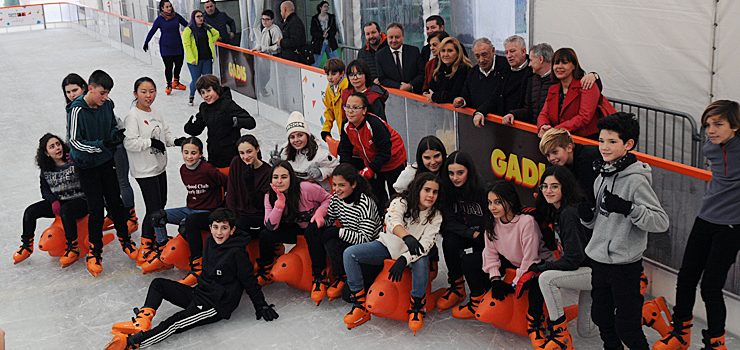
x=593, y=211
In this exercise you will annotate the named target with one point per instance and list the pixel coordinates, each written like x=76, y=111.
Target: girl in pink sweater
x=292, y=207
x=509, y=234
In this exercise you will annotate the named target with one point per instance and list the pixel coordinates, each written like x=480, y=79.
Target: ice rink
x=45, y=307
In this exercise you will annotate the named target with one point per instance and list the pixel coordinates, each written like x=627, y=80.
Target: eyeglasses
x=353, y=108
x=356, y=75
x=553, y=187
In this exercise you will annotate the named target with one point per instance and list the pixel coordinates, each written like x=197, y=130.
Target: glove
x=159, y=218
x=367, y=173
x=314, y=172
x=525, y=282
x=275, y=156
x=56, y=206
x=179, y=141
x=115, y=140
x=280, y=201
x=158, y=145
x=585, y=211
x=413, y=244
x=396, y=271
x=318, y=219
x=536, y=268
x=146, y=47
x=615, y=204
x=500, y=289
x=267, y=312
x=243, y=122
x=324, y=135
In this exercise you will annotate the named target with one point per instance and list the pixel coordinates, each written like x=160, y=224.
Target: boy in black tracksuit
x=223, y=118
x=227, y=272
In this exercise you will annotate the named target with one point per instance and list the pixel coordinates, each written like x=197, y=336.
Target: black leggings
x=169, y=62
x=182, y=296
x=285, y=233
x=100, y=185
x=154, y=191
x=453, y=248
x=326, y=241
x=617, y=304
x=383, y=180
x=70, y=211
x=710, y=252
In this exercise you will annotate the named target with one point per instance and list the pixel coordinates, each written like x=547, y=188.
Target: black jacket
x=446, y=89
x=413, y=68
x=464, y=216
x=573, y=237
x=222, y=133
x=317, y=35
x=367, y=54
x=583, y=168
x=227, y=272
x=508, y=94
x=294, y=38
x=224, y=24
x=478, y=87
x=534, y=98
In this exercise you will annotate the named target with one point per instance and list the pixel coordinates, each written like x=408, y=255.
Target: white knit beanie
x=296, y=122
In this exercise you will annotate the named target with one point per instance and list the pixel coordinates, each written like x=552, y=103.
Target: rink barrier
x=282, y=86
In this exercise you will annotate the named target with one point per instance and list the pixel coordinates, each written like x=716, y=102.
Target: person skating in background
x=225, y=277
x=198, y=40
x=627, y=209
x=170, y=44
x=61, y=195
x=715, y=237
x=323, y=33
x=93, y=139
x=223, y=118
x=146, y=138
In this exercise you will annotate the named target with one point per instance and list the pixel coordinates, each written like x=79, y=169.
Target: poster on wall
x=313, y=86
x=21, y=16
x=237, y=71
x=508, y=154
x=127, y=33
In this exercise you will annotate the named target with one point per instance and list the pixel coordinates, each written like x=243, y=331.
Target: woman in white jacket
x=309, y=161
x=412, y=221
x=146, y=137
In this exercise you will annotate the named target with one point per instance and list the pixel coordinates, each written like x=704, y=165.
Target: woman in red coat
x=567, y=106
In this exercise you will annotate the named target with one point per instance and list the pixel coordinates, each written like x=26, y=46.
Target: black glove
x=324, y=134
x=146, y=47
x=615, y=204
x=159, y=218
x=413, y=244
x=243, y=122
x=500, y=289
x=585, y=211
x=531, y=279
x=267, y=312
x=536, y=268
x=179, y=141
x=158, y=145
x=396, y=271
x=115, y=140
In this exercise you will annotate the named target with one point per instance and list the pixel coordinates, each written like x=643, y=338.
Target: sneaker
x=190, y=102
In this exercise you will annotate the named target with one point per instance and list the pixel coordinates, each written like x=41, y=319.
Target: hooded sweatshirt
x=88, y=129
x=721, y=203
x=619, y=239
x=225, y=275
x=222, y=132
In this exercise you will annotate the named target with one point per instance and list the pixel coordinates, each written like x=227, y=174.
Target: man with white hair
x=483, y=78
x=294, y=34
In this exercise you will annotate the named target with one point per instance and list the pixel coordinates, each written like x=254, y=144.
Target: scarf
x=166, y=16
x=609, y=169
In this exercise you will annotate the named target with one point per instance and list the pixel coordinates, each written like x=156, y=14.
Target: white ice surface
x=45, y=307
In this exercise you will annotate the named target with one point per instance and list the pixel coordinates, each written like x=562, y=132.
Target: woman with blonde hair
x=449, y=75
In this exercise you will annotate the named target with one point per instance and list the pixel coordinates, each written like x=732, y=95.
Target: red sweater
x=204, y=185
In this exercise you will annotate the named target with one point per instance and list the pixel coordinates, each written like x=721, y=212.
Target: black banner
x=503, y=153
x=237, y=71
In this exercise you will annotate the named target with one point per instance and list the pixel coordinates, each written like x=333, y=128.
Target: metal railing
x=666, y=133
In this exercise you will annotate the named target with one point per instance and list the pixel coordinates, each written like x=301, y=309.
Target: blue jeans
x=174, y=216
x=196, y=70
x=373, y=253
x=329, y=53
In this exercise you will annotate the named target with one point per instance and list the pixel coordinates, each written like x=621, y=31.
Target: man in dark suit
x=399, y=65
x=294, y=34
x=433, y=24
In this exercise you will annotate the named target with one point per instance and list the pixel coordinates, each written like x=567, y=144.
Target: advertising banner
x=21, y=16
x=313, y=87
x=503, y=153
x=237, y=71
x=127, y=33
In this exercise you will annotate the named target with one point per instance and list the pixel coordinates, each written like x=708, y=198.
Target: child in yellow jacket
x=334, y=69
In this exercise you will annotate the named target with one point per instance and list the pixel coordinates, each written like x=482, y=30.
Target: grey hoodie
x=618, y=239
